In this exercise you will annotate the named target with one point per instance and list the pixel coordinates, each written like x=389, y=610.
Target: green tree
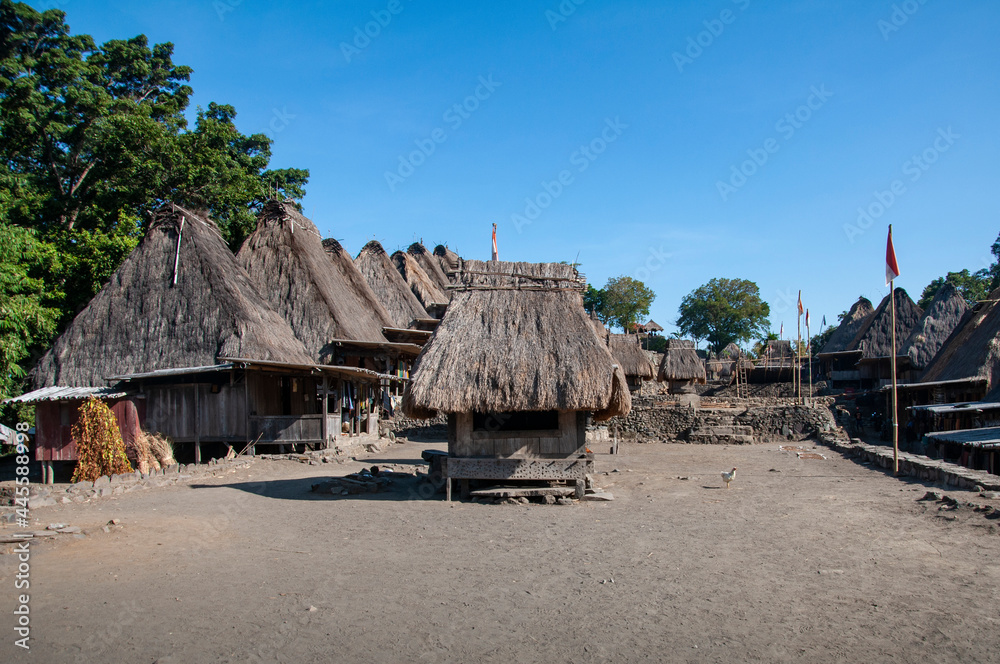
x=593, y=302
x=973, y=286
x=724, y=311
x=624, y=301
x=819, y=340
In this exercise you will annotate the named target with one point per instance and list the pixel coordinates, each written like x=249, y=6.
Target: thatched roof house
x=450, y=262
x=874, y=339
x=388, y=286
x=681, y=366
x=861, y=311
x=431, y=265
x=944, y=314
x=425, y=288
x=973, y=349
x=516, y=343
x=653, y=327
x=179, y=299
x=316, y=288
x=632, y=359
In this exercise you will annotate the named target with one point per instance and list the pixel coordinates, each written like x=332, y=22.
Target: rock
x=56, y=526
x=64, y=500
x=550, y=499
x=103, y=480
x=105, y=492
x=312, y=609
x=71, y=530
x=932, y=495
x=40, y=501
x=599, y=495
x=565, y=501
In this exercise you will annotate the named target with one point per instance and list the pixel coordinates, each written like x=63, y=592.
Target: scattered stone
x=313, y=609
x=56, y=526
x=565, y=501
x=549, y=499
x=774, y=470
x=71, y=530
x=40, y=501
x=932, y=496
x=599, y=495
x=114, y=522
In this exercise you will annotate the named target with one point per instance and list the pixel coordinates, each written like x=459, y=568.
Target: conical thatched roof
x=731, y=352
x=653, y=326
x=681, y=362
x=874, y=339
x=431, y=265
x=388, y=286
x=516, y=338
x=426, y=290
x=316, y=288
x=860, y=312
x=449, y=260
x=631, y=357
x=599, y=329
x=973, y=349
x=940, y=319
x=142, y=321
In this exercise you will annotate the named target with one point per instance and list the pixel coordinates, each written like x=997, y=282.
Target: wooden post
x=892, y=360
x=197, y=423
x=323, y=428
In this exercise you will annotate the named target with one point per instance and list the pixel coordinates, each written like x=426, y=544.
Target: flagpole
x=809, y=357
x=892, y=361
x=798, y=352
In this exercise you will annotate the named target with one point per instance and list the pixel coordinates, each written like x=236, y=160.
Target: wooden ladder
x=742, y=391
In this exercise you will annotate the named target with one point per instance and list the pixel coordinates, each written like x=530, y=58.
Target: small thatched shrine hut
x=431, y=265
x=633, y=360
x=517, y=368
x=681, y=368
x=433, y=299
x=451, y=263
x=652, y=327
x=388, y=286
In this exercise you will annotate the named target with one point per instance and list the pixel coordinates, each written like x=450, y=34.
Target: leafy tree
x=593, y=302
x=973, y=286
x=724, y=311
x=624, y=301
x=819, y=340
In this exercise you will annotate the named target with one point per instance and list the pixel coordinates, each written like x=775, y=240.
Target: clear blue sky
x=663, y=120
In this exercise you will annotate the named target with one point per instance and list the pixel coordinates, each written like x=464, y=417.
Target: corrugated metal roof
x=988, y=437
x=58, y=393
x=183, y=371
x=968, y=407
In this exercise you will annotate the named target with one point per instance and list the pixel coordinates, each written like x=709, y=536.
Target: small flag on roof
x=891, y=267
x=496, y=254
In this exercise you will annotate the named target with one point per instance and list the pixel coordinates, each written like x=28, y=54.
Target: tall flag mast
x=496, y=255
x=798, y=354
x=809, y=355
x=891, y=272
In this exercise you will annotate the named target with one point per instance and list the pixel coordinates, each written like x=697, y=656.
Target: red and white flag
x=807, y=319
x=800, y=303
x=891, y=267
x=781, y=331
x=496, y=255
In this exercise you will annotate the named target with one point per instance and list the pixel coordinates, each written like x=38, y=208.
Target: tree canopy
x=974, y=286
x=621, y=302
x=724, y=311
x=92, y=139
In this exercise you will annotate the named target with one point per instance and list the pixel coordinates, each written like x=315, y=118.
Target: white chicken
x=729, y=477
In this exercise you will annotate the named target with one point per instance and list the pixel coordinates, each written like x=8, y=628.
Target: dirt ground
x=806, y=560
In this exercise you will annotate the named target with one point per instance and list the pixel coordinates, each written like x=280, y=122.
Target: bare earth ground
x=813, y=561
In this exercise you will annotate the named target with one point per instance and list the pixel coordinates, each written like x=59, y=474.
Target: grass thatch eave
x=503, y=348
x=450, y=262
x=142, y=320
x=681, y=363
x=874, y=339
x=631, y=357
x=973, y=349
x=942, y=316
x=422, y=286
x=431, y=265
x=388, y=286
x=316, y=289
x=861, y=311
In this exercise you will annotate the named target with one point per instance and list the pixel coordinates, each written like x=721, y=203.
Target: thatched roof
x=516, y=338
x=425, y=288
x=389, y=287
x=777, y=353
x=431, y=265
x=874, y=339
x=681, y=362
x=316, y=288
x=731, y=352
x=652, y=326
x=940, y=319
x=631, y=357
x=973, y=349
x=143, y=321
x=450, y=262
x=861, y=311
x=599, y=329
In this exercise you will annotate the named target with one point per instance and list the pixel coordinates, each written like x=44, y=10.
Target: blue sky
x=613, y=133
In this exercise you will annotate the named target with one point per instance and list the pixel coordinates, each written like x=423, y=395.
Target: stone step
x=731, y=430
x=723, y=439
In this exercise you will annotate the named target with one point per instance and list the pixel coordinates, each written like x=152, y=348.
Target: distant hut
x=943, y=315
x=388, y=285
x=426, y=290
x=681, y=368
x=874, y=339
x=431, y=265
x=517, y=368
x=313, y=284
x=652, y=327
x=722, y=366
x=632, y=359
x=451, y=262
x=776, y=363
x=182, y=324
x=838, y=359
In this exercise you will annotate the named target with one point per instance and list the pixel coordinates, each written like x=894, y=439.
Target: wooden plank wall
x=569, y=440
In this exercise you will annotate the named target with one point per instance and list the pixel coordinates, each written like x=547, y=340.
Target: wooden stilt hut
x=635, y=364
x=183, y=331
x=517, y=368
x=681, y=368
